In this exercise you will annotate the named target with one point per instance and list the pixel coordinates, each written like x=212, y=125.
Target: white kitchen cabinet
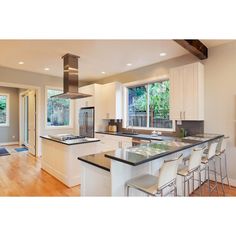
x=94, y=101
x=112, y=101
x=187, y=92
x=111, y=142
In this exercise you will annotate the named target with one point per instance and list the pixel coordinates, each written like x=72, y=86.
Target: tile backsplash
x=192, y=127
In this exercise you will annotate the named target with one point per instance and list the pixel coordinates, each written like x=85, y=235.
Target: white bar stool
x=153, y=185
x=209, y=156
x=221, y=156
x=187, y=171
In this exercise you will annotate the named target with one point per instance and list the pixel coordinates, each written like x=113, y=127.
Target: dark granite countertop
x=98, y=160
x=148, y=152
x=141, y=136
x=73, y=141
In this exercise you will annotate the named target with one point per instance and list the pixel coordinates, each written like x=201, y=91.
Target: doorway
x=28, y=113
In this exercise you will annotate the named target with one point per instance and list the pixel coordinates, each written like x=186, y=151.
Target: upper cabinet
x=187, y=92
x=112, y=101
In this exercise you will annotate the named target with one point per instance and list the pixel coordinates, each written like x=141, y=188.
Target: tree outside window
x=58, y=109
x=152, y=98
x=3, y=110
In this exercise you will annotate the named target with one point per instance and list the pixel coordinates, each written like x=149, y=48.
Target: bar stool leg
x=175, y=189
x=188, y=186
x=184, y=186
x=200, y=181
x=226, y=170
x=208, y=181
x=127, y=191
x=193, y=182
x=221, y=177
x=216, y=184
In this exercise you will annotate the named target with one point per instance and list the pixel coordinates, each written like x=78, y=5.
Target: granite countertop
x=73, y=141
x=98, y=160
x=141, y=136
x=147, y=152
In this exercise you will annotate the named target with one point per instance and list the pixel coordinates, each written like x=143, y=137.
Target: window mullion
x=148, y=97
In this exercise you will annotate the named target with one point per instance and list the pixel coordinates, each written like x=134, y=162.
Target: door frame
x=38, y=111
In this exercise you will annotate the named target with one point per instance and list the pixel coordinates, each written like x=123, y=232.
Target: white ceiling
x=110, y=56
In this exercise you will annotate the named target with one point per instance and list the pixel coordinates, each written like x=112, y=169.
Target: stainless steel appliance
x=86, y=122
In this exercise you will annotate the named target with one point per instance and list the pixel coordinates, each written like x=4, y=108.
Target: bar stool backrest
x=212, y=150
x=168, y=172
x=223, y=144
x=195, y=158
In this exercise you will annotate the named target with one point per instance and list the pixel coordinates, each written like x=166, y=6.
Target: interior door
x=32, y=122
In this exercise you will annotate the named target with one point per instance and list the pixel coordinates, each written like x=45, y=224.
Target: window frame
x=7, y=124
x=71, y=121
x=125, y=102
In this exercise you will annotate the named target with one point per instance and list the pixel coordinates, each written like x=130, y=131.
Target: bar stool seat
x=183, y=170
x=145, y=183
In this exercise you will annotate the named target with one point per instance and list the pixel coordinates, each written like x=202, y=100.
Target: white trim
x=10, y=143
x=146, y=81
x=125, y=102
x=7, y=124
x=71, y=122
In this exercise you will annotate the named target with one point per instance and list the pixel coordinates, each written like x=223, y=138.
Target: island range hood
x=71, y=78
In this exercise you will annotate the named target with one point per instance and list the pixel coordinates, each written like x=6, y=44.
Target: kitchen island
x=59, y=158
x=127, y=163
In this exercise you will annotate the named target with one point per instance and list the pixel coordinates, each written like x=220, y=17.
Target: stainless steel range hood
x=71, y=78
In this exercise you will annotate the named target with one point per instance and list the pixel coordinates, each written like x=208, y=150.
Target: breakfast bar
x=106, y=174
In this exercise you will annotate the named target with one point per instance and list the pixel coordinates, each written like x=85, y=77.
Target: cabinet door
x=109, y=101
x=190, y=91
x=176, y=94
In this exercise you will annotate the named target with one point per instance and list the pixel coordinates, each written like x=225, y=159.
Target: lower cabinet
x=112, y=142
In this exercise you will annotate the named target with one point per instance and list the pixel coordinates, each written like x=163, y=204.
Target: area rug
x=4, y=152
x=23, y=149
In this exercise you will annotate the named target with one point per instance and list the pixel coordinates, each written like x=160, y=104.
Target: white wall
x=220, y=97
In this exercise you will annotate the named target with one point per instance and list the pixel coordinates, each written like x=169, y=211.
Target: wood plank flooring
x=21, y=175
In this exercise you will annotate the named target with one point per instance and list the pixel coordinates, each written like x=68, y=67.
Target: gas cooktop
x=65, y=137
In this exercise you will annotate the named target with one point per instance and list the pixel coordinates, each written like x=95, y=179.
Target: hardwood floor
x=229, y=191
x=21, y=175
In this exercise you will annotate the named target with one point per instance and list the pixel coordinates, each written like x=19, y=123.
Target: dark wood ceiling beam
x=196, y=47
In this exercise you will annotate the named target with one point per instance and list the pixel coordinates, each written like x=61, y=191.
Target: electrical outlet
x=179, y=122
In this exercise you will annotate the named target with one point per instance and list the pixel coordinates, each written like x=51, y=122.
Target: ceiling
x=96, y=56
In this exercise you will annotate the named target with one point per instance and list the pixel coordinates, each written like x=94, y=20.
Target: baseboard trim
x=10, y=143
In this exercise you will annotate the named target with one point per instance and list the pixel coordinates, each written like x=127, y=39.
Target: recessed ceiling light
x=103, y=72
x=129, y=64
x=46, y=68
x=162, y=54
x=20, y=62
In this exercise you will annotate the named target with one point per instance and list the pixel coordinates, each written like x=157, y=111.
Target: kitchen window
x=4, y=109
x=148, y=106
x=58, y=110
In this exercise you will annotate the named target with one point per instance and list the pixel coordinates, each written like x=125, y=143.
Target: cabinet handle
x=184, y=115
x=181, y=115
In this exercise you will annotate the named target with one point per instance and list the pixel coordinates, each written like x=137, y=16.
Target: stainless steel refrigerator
x=86, y=122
